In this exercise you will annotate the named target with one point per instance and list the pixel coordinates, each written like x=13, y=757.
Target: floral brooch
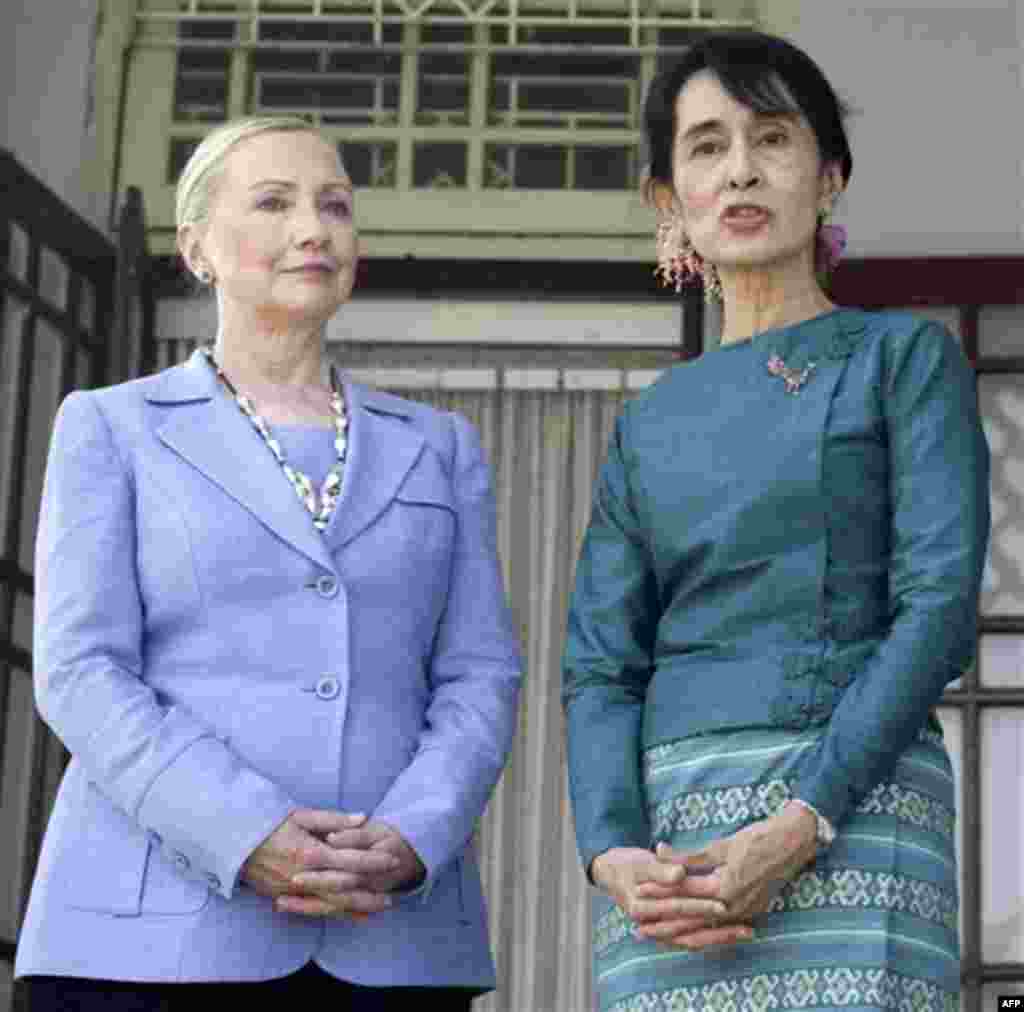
x=793, y=378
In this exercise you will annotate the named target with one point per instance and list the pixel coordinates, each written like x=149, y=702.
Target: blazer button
x=328, y=687
x=326, y=586
x=180, y=861
x=213, y=881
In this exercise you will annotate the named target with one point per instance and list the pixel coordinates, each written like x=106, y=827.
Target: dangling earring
x=204, y=276
x=679, y=263
x=830, y=242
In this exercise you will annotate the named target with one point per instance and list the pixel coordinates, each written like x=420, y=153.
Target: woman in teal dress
x=779, y=579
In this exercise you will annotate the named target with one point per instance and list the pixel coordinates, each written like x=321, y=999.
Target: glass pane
x=286, y=60
x=498, y=166
x=53, y=278
x=442, y=94
x=539, y=167
x=201, y=78
x=580, y=96
x=44, y=391
x=1002, y=835
x=442, y=34
x=279, y=93
x=1002, y=661
x=371, y=62
x=201, y=97
x=20, y=727
x=369, y=164
x=678, y=38
x=1002, y=405
x=578, y=35
x=11, y=343
x=439, y=165
x=178, y=155
x=206, y=28
x=525, y=166
x=354, y=32
x=213, y=61
x=564, y=89
x=999, y=331
x=17, y=255
x=83, y=370
x=21, y=630
x=443, y=88
x=952, y=732
x=12, y=348
x=87, y=306
x=604, y=168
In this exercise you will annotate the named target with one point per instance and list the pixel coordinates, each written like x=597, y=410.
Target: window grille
x=435, y=94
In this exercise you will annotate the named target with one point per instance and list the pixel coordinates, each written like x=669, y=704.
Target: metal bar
x=511, y=20
x=970, y=814
x=287, y=45
x=1013, y=624
x=990, y=366
x=1003, y=971
x=987, y=698
x=611, y=137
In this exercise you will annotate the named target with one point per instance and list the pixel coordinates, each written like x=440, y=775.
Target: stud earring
x=204, y=276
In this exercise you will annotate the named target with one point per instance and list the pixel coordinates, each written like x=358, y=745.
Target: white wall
x=46, y=78
x=939, y=137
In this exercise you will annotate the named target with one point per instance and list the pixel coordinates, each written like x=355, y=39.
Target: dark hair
x=765, y=73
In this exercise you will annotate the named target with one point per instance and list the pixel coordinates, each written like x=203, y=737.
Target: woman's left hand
x=330, y=888
x=749, y=869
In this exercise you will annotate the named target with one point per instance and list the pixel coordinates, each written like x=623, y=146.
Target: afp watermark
x=1010, y=1003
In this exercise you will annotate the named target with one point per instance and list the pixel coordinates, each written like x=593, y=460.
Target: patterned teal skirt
x=871, y=925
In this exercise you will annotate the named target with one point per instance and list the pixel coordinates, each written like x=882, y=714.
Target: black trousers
x=73, y=994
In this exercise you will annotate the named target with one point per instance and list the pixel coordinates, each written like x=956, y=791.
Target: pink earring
x=831, y=242
x=679, y=263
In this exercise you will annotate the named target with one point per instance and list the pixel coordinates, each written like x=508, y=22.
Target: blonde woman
x=271, y=630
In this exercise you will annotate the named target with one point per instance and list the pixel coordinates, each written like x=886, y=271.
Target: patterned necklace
x=321, y=507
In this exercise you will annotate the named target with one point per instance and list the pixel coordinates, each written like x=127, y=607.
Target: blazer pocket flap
x=111, y=866
x=104, y=860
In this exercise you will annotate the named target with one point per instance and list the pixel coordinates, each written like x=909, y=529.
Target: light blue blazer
x=213, y=662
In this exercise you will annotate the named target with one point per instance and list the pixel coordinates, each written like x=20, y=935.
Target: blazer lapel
x=208, y=431
x=383, y=447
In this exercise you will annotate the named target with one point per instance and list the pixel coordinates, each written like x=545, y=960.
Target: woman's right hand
x=622, y=870
x=298, y=845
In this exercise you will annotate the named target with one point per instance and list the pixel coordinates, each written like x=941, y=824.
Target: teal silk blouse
x=787, y=532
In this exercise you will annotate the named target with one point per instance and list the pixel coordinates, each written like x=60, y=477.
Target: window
x=460, y=103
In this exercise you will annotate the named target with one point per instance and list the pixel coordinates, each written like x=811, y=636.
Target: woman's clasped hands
x=332, y=864
x=709, y=897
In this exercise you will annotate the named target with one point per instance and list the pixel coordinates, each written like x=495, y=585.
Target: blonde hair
x=195, y=184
